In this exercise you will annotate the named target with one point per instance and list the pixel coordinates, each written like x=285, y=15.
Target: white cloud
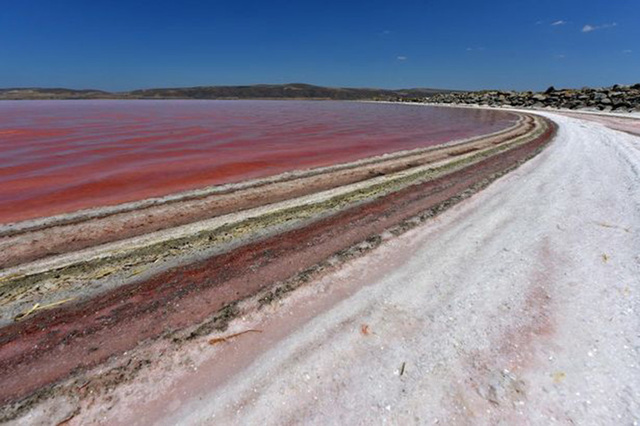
x=560, y=22
x=627, y=51
x=475, y=49
x=560, y=56
x=402, y=58
x=589, y=28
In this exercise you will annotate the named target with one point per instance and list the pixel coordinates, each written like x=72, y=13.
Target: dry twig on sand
x=39, y=307
x=608, y=225
x=216, y=340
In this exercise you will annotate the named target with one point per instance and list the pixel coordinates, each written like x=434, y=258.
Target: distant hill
x=258, y=91
x=53, y=93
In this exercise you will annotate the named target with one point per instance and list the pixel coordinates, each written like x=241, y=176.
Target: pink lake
x=61, y=156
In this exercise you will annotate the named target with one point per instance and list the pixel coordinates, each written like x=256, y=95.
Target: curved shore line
x=196, y=273
x=109, y=265
x=13, y=228
x=82, y=229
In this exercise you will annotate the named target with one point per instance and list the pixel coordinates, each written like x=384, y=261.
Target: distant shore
x=617, y=98
x=293, y=91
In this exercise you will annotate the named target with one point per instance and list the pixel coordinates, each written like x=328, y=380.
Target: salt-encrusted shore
x=516, y=306
x=68, y=316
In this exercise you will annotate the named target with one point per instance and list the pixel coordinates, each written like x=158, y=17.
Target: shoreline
x=328, y=238
x=513, y=329
x=371, y=294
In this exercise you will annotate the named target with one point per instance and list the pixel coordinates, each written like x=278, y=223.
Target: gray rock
x=619, y=97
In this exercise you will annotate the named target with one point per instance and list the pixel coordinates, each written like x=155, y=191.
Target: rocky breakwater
x=616, y=98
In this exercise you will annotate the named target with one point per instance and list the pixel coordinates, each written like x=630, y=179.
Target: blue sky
x=121, y=45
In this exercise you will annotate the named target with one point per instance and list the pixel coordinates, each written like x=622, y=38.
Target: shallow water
x=60, y=156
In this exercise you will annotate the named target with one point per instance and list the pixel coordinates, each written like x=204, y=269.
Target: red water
x=61, y=156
